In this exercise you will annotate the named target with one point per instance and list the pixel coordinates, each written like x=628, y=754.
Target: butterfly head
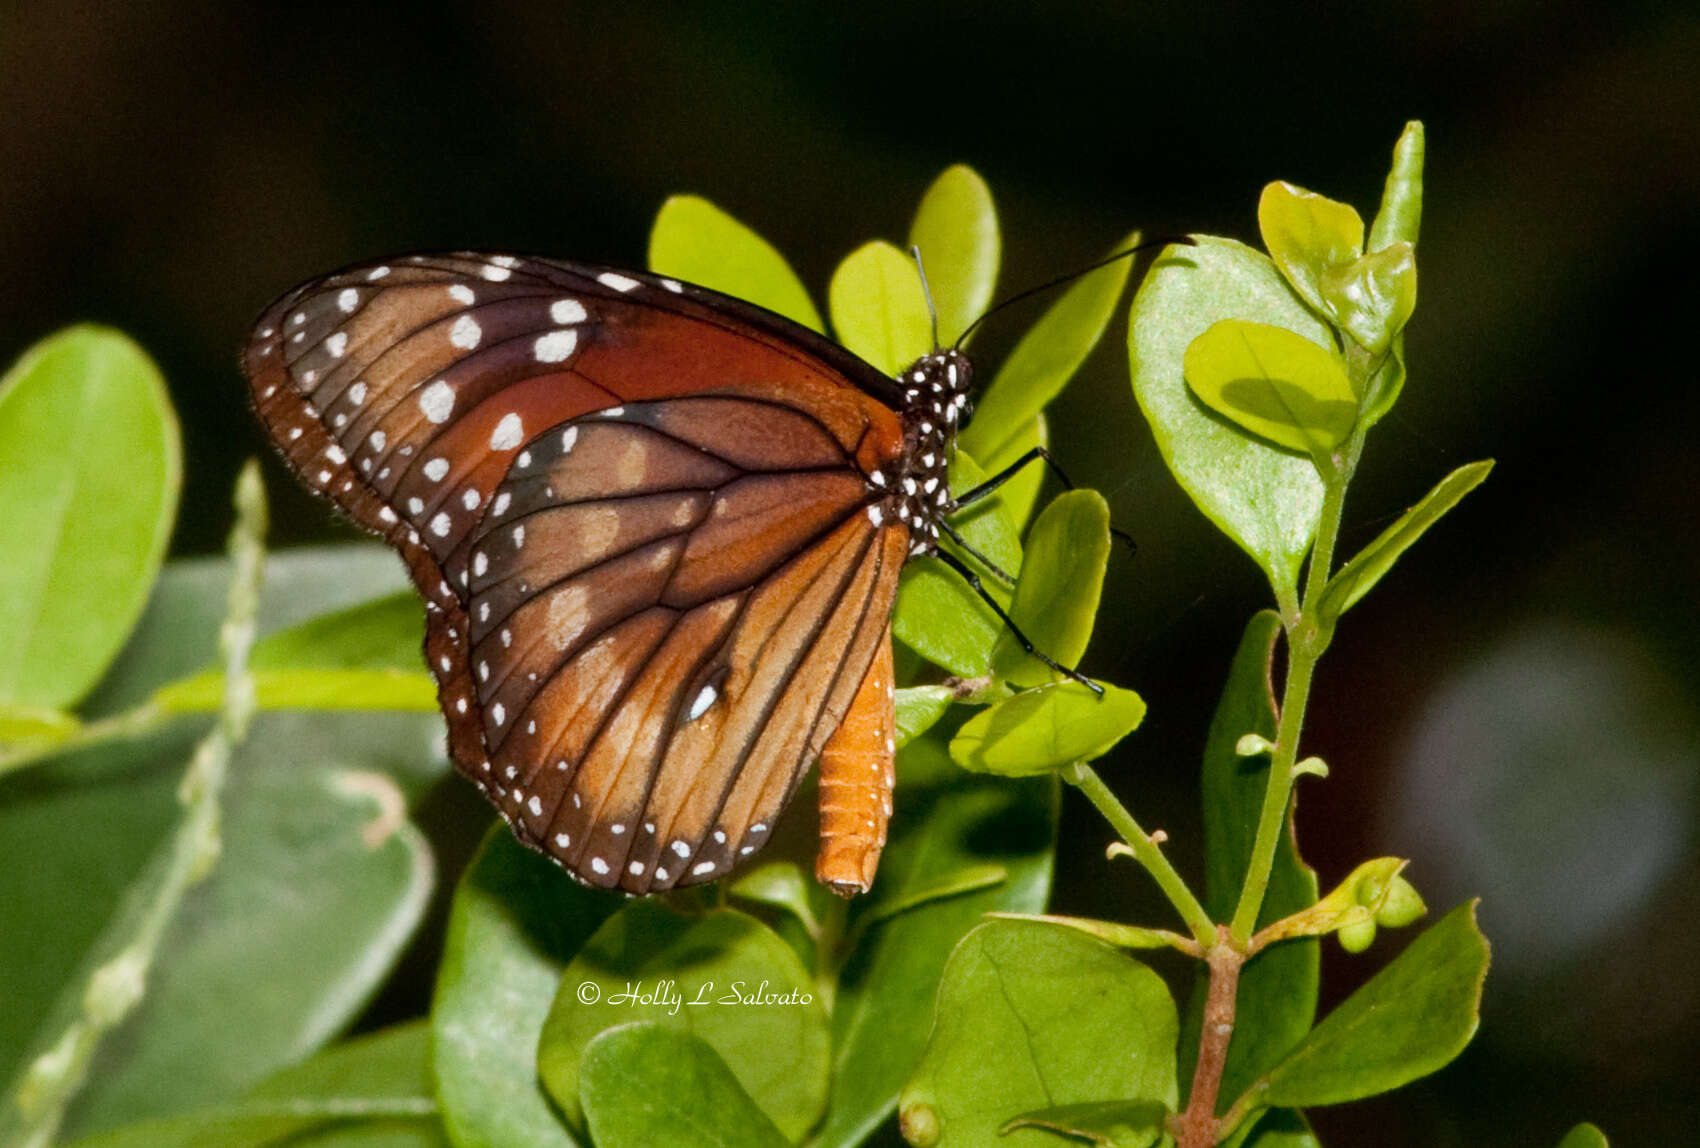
x=937, y=387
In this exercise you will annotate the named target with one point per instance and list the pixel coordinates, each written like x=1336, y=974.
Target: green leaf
x=1019, y=493
x=319, y=887
x=956, y=228
x=939, y=615
x=29, y=727
x=1306, y=234
x=1273, y=383
x=377, y=1082
x=647, y=963
x=878, y=308
x=695, y=241
x=940, y=833
x=1112, y=1123
x=1383, y=387
x=1264, y=498
x=1584, y=1136
x=516, y=922
x=1056, y=597
x=1358, y=576
x=363, y=691
x=1111, y=932
x=646, y=1085
x=1401, y=214
x=1276, y=1003
x=129, y=789
x=1372, y=298
x=918, y=707
x=93, y=467
x=1413, y=1017
x=1044, y=729
x=1274, y=1128
x=1025, y=1016
x=782, y=884
x=1046, y=358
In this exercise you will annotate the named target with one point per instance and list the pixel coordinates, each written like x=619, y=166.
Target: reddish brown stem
x=1196, y=1127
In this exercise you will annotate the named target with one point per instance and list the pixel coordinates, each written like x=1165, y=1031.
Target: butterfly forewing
x=641, y=517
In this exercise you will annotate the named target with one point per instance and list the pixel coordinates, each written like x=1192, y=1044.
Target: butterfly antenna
x=932, y=311
x=1161, y=241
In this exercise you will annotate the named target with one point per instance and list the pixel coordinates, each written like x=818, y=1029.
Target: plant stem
x=131, y=723
x=1196, y=1126
x=32, y=1113
x=1307, y=637
x=1145, y=851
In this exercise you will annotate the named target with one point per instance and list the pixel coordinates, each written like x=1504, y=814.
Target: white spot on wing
x=436, y=468
x=705, y=698
x=509, y=433
x=337, y=344
x=440, y=525
x=465, y=333
x=461, y=293
x=556, y=346
x=564, y=311
x=348, y=300
x=437, y=401
x=617, y=281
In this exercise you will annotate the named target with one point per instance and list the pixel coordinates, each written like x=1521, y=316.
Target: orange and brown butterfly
x=658, y=531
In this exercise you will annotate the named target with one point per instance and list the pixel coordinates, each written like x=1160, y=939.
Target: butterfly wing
x=636, y=510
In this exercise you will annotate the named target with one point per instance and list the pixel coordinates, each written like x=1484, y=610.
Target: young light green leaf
x=1410, y=1019
x=918, y=707
x=1278, y=987
x=1110, y=1123
x=1273, y=1128
x=1019, y=493
x=310, y=689
x=1056, y=597
x=1358, y=576
x=1264, y=498
x=90, y=485
x=1401, y=214
x=645, y=1085
x=695, y=241
x=648, y=963
x=956, y=228
x=878, y=308
x=938, y=615
x=1584, y=1136
x=943, y=833
x=1046, y=358
x=1044, y=729
x=1306, y=234
x=378, y=1081
x=1025, y=1013
x=1372, y=298
x=1273, y=383
x=516, y=922
x=1383, y=387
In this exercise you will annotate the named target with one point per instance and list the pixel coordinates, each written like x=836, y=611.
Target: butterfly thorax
x=935, y=403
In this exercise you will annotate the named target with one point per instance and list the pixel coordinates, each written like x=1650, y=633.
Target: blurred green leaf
x=1111, y=1123
x=381, y=1081
x=1358, y=576
x=28, y=727
x=648, y=963
x=1400, y=216
x=953, y=827
x=1276, y=1003
x=310, y=689
x=878, y=309
x=1025, y=1016
x=695, y=241
x=1414, y=1016
x=1046, y=358
x=1306, y=234
x=1266, y=499
x=1274, y=1128
x=1273, y=383
x=516, y=922
x=956, y=228
x=939, y=615
x=647, y=1085
x=1043, y=729
x=918, y=707
x=90, y=485
x=319, y=887
x=1056, y=598
x=783, y=885
x=1584, y=1136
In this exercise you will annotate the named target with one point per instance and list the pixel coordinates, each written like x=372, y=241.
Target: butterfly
x=658, y=531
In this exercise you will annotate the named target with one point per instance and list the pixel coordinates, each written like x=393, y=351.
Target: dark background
x=1514, y=709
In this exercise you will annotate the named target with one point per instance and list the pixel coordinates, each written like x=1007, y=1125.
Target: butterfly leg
x=856, y=780
x=1037, y=454
x=963, y=544
x=979, y=588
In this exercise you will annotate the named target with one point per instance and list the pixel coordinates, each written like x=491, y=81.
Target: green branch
x=33, y=1112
